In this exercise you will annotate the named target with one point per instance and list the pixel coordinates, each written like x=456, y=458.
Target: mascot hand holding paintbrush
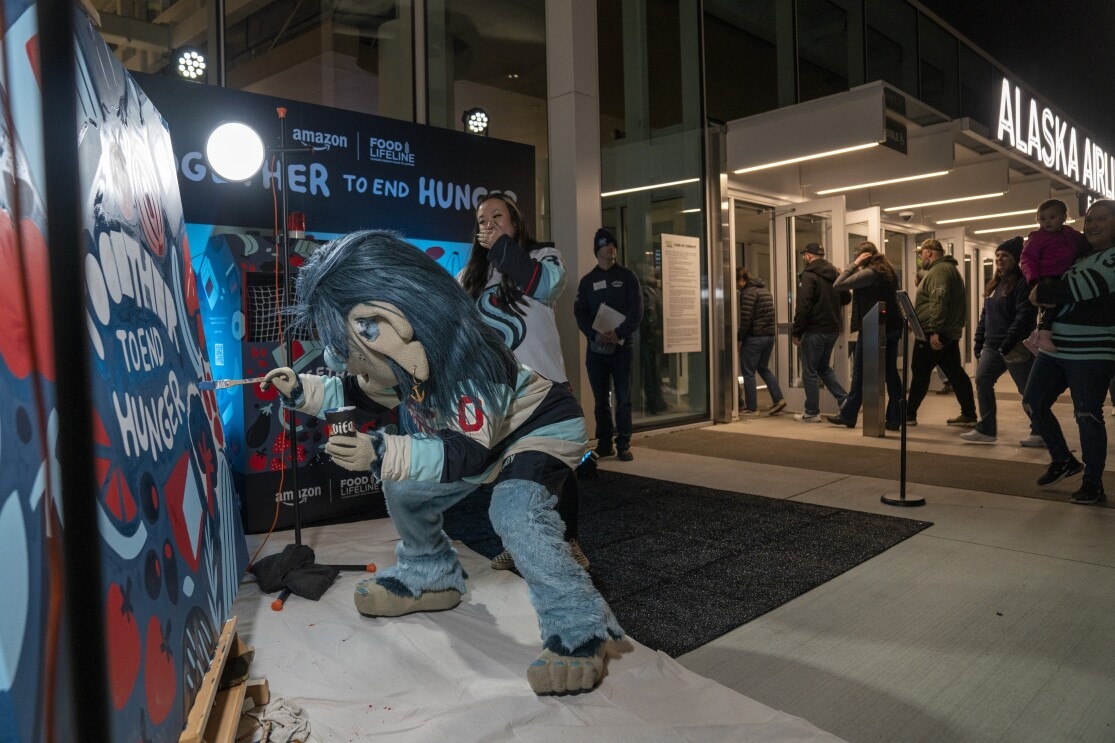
x=470, y=414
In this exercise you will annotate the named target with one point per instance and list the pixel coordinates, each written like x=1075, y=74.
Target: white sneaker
x=1033, y=441
x=806, y=418
x=975, y=437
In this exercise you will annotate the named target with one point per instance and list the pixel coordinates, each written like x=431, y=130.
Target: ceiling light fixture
x=803, y=158
x=985, y=216
x=475, y=121
x=648, y=188
x=943, y=201
x=191, y=64
x=873, y=184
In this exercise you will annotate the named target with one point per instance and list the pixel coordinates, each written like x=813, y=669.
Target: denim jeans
x=816, y=353
x=1087, y=383
x=754, y=357
x=992, y=366
x=849, y=411
x=948, y=358
x=608, y=372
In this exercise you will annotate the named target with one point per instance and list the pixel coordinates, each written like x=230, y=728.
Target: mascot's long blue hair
x=379, y=266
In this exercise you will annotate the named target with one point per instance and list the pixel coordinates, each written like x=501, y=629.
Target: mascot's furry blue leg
x=427, y=575
x=573, y=617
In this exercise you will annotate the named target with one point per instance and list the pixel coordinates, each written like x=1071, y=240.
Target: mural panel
x=172, y=549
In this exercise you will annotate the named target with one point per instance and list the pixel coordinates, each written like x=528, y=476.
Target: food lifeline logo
x=389, y=151
x=1041, y=134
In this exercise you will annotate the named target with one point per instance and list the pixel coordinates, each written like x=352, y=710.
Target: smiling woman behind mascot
x=1084, y=359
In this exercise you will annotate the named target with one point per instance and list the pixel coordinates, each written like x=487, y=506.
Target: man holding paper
x=608, y=308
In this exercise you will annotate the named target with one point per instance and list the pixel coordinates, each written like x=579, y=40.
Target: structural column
x=573, y=93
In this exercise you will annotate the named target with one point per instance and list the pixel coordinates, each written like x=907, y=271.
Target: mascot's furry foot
x=374, y=600
x=551, y=673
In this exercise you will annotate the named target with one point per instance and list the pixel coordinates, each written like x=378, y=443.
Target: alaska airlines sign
x=1041, y=134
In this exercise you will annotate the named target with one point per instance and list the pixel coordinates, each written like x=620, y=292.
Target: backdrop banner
x=375, y=173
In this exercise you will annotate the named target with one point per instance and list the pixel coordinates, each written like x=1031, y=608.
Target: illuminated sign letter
x=1006, y=116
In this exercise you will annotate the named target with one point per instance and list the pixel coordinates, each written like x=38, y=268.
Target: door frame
x=785, y=253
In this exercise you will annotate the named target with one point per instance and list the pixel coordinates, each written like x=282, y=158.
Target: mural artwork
x=172, y=549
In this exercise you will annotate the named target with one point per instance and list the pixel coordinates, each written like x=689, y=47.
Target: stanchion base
x=902, y=501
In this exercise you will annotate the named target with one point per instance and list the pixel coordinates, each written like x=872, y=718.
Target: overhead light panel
x=1018, y=213
x=1030, y=226
x=648, y=188
x=804, y=158
x=873, y=184
x=944, y=201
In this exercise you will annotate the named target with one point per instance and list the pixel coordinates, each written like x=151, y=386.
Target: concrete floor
x=995, y=624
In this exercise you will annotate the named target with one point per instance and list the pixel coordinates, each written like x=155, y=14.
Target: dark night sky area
x=1064, y=51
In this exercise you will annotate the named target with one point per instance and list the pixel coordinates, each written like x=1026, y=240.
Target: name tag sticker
x=598, y=285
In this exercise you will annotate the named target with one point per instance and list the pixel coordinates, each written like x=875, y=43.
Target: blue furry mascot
x=470, y=414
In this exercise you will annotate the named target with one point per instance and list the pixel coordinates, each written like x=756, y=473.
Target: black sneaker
x=911, y=421
x=1090, y=492
x=625, y=455
x=963, y=420
x=1058, y=471
x=894, y=426
x=836, y=420
x=605, y=451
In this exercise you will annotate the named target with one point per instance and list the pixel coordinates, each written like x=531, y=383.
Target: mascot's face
x=377, y=332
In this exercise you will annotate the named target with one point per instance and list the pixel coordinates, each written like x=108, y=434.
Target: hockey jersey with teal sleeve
x=536, y=415
x=1082, y=328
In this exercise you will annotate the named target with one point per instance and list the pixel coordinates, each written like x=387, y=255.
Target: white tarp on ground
x=460, y=675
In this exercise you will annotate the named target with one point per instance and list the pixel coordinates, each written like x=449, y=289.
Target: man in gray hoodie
x=818, y=320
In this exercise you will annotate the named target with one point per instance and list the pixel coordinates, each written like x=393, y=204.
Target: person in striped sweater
x=1083, y=361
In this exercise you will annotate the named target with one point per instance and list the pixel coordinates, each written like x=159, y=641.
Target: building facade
x=705, y=135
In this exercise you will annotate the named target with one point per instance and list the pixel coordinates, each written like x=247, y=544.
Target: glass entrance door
x=969, y=261
x=821, y=221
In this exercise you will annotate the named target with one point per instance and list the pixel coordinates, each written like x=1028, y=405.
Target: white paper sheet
x=460, y=675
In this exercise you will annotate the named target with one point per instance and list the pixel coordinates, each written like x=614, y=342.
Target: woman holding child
x=1083, y=359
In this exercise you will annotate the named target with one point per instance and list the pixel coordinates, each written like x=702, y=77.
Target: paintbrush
x=222, y=384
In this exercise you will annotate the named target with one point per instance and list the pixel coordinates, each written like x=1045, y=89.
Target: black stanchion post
x=915, y=327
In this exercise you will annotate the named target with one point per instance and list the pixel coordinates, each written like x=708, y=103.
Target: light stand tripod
x=915, y=327
x=283, y=242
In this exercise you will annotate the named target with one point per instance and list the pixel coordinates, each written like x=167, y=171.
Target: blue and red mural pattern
x=172, y=547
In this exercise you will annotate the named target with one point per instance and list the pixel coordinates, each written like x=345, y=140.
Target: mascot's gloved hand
x=356, y=453
x=288, y=384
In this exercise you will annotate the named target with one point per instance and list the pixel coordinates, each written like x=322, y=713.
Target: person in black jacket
x=1007, y=318
x=872, y=279
x=756, y=342
x=817, y=325
x=608, y=359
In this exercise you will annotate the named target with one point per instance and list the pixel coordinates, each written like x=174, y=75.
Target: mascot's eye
x=369, y=329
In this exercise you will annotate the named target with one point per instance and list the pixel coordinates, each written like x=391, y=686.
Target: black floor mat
x=681, y=565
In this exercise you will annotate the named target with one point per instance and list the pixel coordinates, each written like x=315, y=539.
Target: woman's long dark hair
x=474, y=278
x=878, y=262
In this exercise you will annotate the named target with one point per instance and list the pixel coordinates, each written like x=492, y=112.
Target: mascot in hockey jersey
x=470, y=414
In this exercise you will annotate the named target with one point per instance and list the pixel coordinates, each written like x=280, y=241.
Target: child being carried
x=1048, y=253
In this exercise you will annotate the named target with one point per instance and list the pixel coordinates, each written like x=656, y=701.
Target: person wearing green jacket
x=942, y=310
